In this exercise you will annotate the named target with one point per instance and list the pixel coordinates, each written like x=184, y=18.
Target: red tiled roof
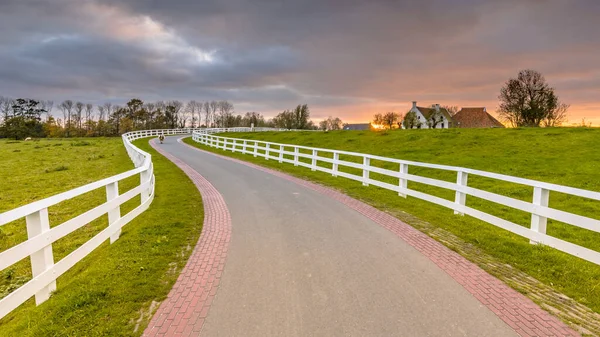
x=475, y=118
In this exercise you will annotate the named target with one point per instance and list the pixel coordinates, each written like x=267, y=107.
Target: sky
x=344, y=58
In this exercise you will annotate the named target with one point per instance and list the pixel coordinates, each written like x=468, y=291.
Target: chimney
x=484, y=109
x=437, y=107
x=414, y=104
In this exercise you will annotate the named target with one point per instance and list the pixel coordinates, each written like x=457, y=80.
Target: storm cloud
x=345, y=58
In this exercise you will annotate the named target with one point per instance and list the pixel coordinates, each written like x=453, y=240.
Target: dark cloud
x=347, y=58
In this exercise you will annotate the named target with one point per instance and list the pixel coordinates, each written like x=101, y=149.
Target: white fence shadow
x=538, y=207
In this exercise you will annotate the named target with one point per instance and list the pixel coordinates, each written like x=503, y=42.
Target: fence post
x=244, y=147
x=366, y=162
x=255, y=149
x=144, y=177
x=541, y=197
x=296, y=151
x=461, y=198
x=233, y=145
x=402, y=183
x=281, y=153
x=42, y=260
x=112, y=191
x=336, y=158
x=314, y=160
x=268, y=146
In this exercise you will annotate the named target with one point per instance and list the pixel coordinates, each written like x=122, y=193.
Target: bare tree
x=557, y=116
x=194, y=108
x=452, y=109
x=47, y=107
x=6, y=104
x=225, y=113
x=89, y=110
x=101, y=113
x=67, y=109
x=79, y=114
x=214, y=105
x=207, y=109
x=108, y=109
x=331, y=123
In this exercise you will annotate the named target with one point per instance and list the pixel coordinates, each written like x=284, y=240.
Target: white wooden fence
x=38, y=246
x=538, y=207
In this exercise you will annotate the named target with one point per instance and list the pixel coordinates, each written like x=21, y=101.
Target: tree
x=301, y=116
x=225, y=114
x=253, y=118
x=378, y=119
x=557, y=116
x=435, y=118
x=331, y=123
x=115, y=119
x=389, y=119
x=24, y=119
x=528, y=100
x=452, y=109
x=411, y=121
x=284, y=120
x=207, y=117
x=47, y=106
x=89, y=110
x=194, y=108
x=213, y=106
x=79, y=116
x=67, y=109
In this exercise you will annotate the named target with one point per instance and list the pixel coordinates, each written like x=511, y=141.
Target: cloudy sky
x=345, y=58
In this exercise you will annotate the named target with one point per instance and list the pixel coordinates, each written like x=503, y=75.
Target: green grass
x=110, y=291
x=563, y=156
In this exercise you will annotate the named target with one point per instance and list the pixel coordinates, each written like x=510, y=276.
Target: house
x=475, y=118
x=428, y=117
x=361, y=126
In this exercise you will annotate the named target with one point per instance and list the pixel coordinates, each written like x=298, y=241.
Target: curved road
x=302, y=264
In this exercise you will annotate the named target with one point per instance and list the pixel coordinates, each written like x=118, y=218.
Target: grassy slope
x=563, y=156
x=105, y=294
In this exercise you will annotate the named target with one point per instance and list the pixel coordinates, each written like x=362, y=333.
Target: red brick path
x=187, y=305
x=516, y=310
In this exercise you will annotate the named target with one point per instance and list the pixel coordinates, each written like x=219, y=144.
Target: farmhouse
x=440, y=118
x=475, y=118
x=434, y=117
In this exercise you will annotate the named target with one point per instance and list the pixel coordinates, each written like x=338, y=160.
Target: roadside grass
x=114, y=290
x=564, y=156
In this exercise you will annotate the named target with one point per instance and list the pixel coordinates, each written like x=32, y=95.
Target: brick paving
x=187, y=305
x=516, y=310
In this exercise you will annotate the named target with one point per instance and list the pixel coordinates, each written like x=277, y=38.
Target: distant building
x=475, y=118
x=430, y=116
x=356, y=127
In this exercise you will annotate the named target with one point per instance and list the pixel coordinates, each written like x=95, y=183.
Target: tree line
x=24, y=117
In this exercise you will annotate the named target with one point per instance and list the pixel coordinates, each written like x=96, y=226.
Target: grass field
x=563, y=156
x=111, y=291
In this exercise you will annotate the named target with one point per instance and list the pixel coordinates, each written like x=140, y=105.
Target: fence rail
x=538, y=207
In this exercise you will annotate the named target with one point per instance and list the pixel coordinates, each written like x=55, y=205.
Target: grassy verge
x=543, y=154
x=114, y=290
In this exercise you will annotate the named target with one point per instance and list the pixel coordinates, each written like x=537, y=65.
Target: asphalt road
x=303, y=264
